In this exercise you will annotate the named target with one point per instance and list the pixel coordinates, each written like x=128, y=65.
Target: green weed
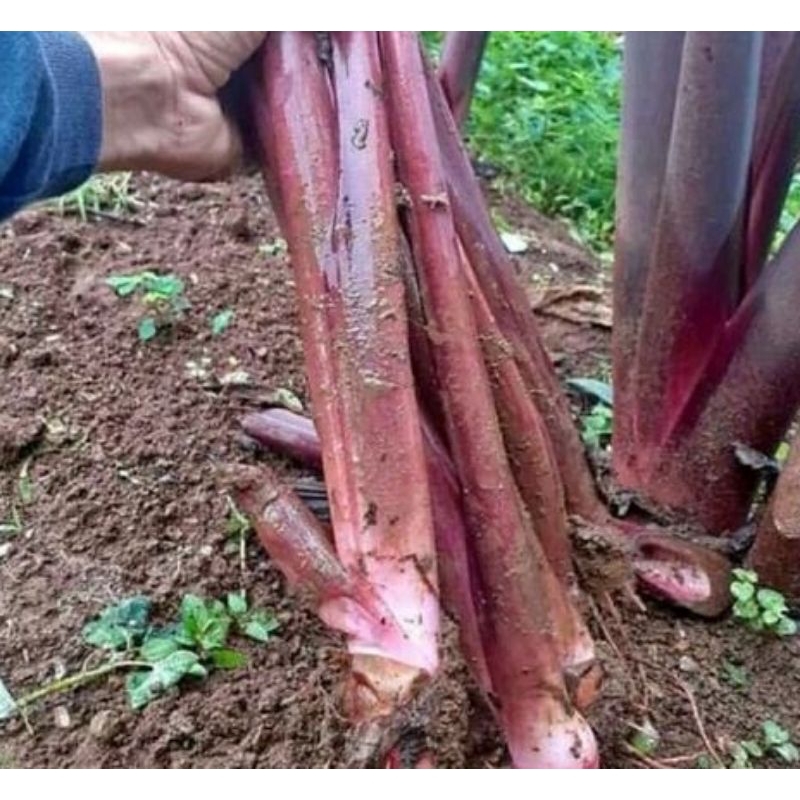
x=101, y=194
x=162, y=296
x=157, y=659
x=759, y=608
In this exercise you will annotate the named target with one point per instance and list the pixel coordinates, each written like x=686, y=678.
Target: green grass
x=546, y=112
x=101, y=194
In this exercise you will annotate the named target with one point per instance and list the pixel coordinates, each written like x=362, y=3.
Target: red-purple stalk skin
x=521, y=641
x=334, y=176
x=711, y=368
x=755, y=376
x=301, y=549
x=507, y=303
x=651, y=65
x=460, y=63
x=420, y=346
x=526, y=441
x=776, y=145
x=458, y=574
x=776, y=553
x=281, y=429
x=693, y=281
x=459, y=577
x=511, y=309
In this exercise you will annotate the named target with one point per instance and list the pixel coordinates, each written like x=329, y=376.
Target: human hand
x=161, y=109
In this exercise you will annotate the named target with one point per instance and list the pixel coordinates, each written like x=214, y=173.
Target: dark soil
x=121, y=443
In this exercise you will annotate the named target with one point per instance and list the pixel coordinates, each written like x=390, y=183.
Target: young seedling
x=643, y=739
x=744, y=753
x=735, y=675
x=761, y=609
x=157, y=658
x=596, y=427
x=162, y=295
x=597, y=422
x=238, y=529
x=102, y=195
x=775, y=741
x=253, y=623
x=221, y=321
x=778, y=742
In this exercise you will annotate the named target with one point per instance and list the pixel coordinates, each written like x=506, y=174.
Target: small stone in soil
x=61, y=717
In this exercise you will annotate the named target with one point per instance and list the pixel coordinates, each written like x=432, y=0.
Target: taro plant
x=705, y=344
x=444, y=435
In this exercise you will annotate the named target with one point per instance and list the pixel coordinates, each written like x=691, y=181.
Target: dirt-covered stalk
x=333, y=173
x=511, y=308
x=522, y=640
x=776, y=553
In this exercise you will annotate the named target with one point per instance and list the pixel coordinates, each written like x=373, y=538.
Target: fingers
x=216, y=54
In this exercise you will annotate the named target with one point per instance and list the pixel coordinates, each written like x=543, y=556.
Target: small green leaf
x=734, y=674
x=742, y=591
x=741, y=758
x=162, y=286
x=752, y=748
x=260, y=625
x=644, y=738
x=158, y=648
x=786, y=627
x=203, y=625
x=226, y=658
x=124, y=285
x=215, y=633
x=774, y=734
x=772, y=600
x=119, y=626
x=598, y=390
x=142, y=687
x=745, y=575
x=770, y=618
x=788, y=752
x=194, y=618
x=782, y=452
x=147, y=329
x=221, y=321
x=237, y=604
x=748, y=610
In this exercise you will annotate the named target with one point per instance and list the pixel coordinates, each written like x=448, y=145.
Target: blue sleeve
x=50, y=115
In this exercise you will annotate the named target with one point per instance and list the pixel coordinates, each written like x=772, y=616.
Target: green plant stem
x=70, y=682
